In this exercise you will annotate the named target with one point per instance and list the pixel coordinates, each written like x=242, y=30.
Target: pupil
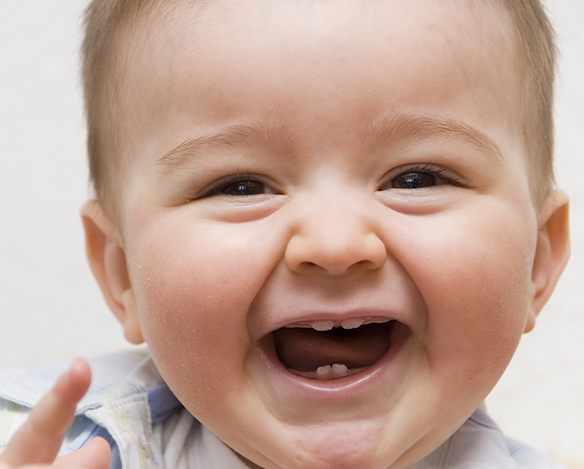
x=243, y=188
x=414, y=180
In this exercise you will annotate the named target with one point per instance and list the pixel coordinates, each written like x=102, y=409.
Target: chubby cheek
x=192, y=296
x=477, y=296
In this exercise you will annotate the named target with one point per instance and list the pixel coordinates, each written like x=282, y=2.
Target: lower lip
x=349, y=386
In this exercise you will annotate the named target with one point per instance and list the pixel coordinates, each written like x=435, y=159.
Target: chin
x=336, y=444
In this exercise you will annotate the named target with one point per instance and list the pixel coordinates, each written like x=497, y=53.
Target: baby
x=331, y=222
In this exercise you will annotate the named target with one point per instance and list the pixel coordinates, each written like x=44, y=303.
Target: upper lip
x=369, y=315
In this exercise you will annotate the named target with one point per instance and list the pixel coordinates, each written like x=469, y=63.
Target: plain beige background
x=51, y=309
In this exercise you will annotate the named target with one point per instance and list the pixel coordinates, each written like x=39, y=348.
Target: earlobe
x=552, y=252
x=107, y=260
x=131, y=324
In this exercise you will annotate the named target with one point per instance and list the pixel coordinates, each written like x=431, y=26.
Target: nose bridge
x=336, y=235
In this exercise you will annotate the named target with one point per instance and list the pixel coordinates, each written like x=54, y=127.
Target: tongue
x=306, y=349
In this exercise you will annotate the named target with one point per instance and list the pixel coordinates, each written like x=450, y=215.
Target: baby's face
x=294, y=167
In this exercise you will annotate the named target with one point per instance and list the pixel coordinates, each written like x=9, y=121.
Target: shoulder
x=126, y=392
x=25, y=387
x=480, y=443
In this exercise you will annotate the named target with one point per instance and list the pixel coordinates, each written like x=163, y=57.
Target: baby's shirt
x=130, y=405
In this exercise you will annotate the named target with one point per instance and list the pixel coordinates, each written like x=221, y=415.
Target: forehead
x=215, y=61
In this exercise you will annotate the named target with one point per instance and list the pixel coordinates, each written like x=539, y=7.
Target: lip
x=294, y=386
x=371, y=314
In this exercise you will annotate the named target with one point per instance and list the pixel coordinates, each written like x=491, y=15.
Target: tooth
x=352, y=323
x=339, y=370
x=322, y=325
x=324, y=371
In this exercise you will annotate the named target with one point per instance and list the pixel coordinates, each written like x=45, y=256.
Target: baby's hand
x=36, y=444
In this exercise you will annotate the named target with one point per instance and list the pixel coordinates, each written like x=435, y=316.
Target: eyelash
x=221, y=185
x=441, y=174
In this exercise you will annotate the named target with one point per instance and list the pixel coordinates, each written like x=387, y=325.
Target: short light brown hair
x=535, y=38
x=103, y=84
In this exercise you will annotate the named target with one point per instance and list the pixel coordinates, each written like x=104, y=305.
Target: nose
x=335, y=239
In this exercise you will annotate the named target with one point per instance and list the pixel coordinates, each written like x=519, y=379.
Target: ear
x=107, y=260
x=551, y=254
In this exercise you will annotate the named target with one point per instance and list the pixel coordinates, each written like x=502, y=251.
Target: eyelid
x=452, y=178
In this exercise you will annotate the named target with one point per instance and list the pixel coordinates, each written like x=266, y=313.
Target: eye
x=422, y=176
x=245, y=188
x=413, y=180
x=241, y=185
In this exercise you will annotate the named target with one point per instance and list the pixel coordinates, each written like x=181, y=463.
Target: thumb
x=95, y=455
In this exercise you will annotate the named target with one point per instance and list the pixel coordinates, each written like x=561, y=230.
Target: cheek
x=192, y=296
x=477, y=293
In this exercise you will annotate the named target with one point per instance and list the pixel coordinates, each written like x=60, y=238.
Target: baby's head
x=330, y=221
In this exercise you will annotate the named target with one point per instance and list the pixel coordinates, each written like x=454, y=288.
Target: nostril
x=335, y=268
x=365, y=264
x=307, y=267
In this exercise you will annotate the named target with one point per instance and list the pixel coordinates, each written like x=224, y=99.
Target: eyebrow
x=412, y=127
x=256, y=133
x=389, y=127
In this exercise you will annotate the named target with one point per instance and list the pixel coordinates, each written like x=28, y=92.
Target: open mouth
x=328, y=350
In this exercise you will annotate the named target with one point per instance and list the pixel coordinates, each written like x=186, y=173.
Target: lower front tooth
x=324, y=371
x=339, y=370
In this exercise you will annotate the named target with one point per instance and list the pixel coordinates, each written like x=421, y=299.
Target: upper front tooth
x=352, y=323
x=322, y=325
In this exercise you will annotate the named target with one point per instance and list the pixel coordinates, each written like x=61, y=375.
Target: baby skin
x=327, y=231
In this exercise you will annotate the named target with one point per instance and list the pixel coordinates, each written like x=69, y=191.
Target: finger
x=40, y=437
x=95, y=455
